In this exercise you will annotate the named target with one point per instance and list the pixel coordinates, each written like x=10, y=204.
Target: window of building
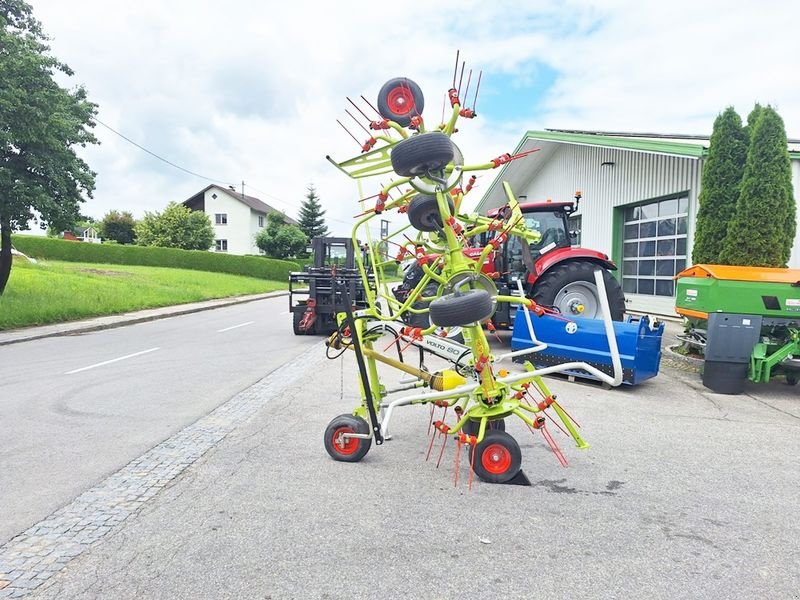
x=654, y=246
x=575, y=228
x=221, y=218
x=260, y=220
x=221, y=245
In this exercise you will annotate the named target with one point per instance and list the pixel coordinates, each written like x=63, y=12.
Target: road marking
x=235, y=326
x=113, y=360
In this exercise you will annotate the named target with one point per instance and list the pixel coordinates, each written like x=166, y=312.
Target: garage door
x=653, y=252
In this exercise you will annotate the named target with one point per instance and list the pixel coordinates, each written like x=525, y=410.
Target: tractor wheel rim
x=400, y=101
x=580, y=293
x=496, y=459
x=344, y=445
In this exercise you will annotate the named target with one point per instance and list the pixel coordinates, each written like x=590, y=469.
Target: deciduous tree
x=118, y=226
x=280, y=240
x=41, y=124
x=175, y=227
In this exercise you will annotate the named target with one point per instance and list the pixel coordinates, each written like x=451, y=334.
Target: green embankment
x=54, y=291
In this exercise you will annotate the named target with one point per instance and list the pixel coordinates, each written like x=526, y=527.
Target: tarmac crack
x=775, y=408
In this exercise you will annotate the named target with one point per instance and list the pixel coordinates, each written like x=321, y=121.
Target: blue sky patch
x=511, y=96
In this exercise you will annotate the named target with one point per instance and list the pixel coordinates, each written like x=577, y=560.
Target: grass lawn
x=54, y=291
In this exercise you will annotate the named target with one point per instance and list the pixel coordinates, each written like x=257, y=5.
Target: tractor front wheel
x=570, y=287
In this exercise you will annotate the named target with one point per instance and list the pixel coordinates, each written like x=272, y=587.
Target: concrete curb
x=680, y=361
x=111, y=321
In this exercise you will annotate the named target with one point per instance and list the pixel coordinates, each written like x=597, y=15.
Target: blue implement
x=579, y=339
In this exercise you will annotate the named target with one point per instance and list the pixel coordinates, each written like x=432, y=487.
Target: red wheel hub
x=496, y=459
x=344, y=445
x=400, y=101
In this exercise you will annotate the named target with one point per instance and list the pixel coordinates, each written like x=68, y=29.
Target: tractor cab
x=553, y=271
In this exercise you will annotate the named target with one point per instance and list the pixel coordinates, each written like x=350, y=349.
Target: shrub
x=117, y=254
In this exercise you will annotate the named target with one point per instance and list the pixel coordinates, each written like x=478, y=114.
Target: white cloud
x=240, y=91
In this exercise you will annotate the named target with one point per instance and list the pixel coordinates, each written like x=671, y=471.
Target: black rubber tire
x=422, y=153
x=423, y=213
x=548, y=286
x=498, y=458
x=460, y=309
x=472, y=427
x=791, y=378
x=399, y=99
x=355, y=448
x=296, y=318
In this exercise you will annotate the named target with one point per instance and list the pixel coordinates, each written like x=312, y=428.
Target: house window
x=221, y=245
x=654, y=246
x=221, y=218
x=575, y=227
x=260, y=220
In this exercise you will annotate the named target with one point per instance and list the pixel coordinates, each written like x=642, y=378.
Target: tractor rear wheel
x=570, y=287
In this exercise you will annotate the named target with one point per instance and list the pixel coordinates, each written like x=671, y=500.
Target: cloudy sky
x=244, y=91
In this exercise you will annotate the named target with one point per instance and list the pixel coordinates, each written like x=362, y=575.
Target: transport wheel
x=423, y=213
x=497, y=458
x=791, y=378
x=296, y=318
x=350, y=449
x=461, y=308
x=422, y=153
x=399, y=99
x=471, y=427
x=571, y=288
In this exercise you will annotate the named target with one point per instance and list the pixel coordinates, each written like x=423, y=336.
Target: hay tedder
x=471, y=393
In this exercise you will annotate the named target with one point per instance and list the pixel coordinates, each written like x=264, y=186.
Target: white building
x=639, y=200
x=236, y=218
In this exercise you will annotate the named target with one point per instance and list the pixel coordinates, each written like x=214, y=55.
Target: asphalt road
x=74, y=409
x=683, y=494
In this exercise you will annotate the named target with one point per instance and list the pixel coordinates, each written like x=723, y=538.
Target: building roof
x=690, y=146
x=255, y=203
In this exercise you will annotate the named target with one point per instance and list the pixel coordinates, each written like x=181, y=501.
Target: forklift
x=316, y=293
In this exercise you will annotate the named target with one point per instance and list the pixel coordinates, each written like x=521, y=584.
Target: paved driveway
x=683, y=494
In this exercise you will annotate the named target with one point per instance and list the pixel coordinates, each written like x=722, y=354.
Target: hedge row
x=115, y=254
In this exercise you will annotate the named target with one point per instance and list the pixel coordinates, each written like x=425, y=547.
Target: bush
x=116, y=254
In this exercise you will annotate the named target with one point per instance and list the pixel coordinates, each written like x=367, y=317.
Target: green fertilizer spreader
x=745, y=319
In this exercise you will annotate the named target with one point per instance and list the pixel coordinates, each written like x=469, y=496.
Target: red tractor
x=553, y=272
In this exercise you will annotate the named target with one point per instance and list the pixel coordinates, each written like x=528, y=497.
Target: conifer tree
x=311, y=219
x=719, y=191
x=764, y=225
